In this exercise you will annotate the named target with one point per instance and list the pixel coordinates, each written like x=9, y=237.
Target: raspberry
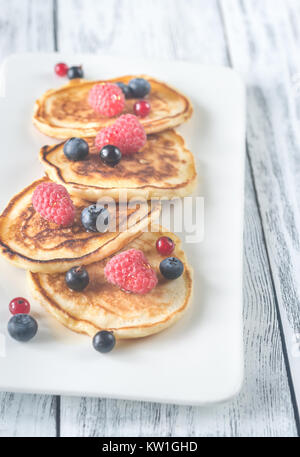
x=127, y=134
x=107, y=99
x=131, y=271
x=53, y=203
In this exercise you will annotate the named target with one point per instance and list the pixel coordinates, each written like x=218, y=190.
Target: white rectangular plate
x=200, y=359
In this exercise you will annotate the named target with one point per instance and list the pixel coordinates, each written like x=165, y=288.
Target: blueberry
x=139, y=87
x=75, y=72
x=110, y=155
x=171, y=268
x=104, y=341
x=22, y=327
x=125, y=89
x=77, y=278
x=76, y=149
x=95, y=218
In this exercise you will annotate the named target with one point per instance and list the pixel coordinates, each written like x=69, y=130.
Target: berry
x=127, y=134
x=125, y=89
x=61, y=69
x=95, y=218
x=139, y=87
x=76, y=149
x=104, y=341
x=52, y=201
x=141, y=108
x=110, y=155
x=107, y=99
x=165, y=245
x=171, y=268
x=75, y=72
x=19, y=305
x=77, y=278
x=22, y=327
x=131, y=271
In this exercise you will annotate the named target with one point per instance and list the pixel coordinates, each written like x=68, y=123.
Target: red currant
x=165, y=245
x=61, y=69
x=19, y=305
x=142, y=108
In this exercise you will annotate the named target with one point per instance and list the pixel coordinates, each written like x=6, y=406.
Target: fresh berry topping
x=110, y=155
x=61, y=69
x=76, y=149
x=19, y=305
x=22, y=327
x=95, y=218
x=75, y=72
x=125, y=89
x=131, y=271
x=171, y=268
x=107, y=99
x=165, y=245
x=52, y=201
x=104, y=341
x=139, y=87
x=127, y=134
x=142, y=108
x=77, y=278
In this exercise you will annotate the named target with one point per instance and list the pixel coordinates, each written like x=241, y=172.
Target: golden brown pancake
x=65, y=112
x=29, y=241
x=163, y=168
x=104, y=306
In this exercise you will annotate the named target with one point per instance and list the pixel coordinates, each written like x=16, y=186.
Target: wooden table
x=260, y=39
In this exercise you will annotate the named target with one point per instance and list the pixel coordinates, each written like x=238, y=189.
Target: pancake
x=29, y=241
x=104, y=306
x=65, y=112
x=163, y=168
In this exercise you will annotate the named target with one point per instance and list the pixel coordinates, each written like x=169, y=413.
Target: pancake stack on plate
x=163, y=168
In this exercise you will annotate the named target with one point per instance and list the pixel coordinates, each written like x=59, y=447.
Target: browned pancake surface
x=63, y=112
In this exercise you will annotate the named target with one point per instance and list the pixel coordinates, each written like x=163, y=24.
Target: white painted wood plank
x=26, y=26
x=27, y=415
x=187, y=30
x=264, y=48
x=263, y=408
x=142, y=28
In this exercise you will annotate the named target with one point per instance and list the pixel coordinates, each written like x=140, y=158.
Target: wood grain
x=26, y=26
x=27, y=415
x=263, y=47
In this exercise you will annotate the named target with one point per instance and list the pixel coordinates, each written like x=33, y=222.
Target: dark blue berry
x=110, y=155
x=77, y=278
x=104, y=341
x=171, y=268
x=75, y=72
x=22, y=327
x=95, y=218
x=76, y=149
x=125, y=89
x=139, y=87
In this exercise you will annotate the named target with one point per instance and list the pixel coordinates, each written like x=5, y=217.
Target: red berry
x=107, y=99
x=61, y=69
x=142, y=108
x=19, y=305
x=126, y=133
x=131, y=271
x=52, y=201
x=165, y=245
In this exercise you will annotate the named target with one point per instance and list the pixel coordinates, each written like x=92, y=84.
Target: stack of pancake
x=164, y=168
